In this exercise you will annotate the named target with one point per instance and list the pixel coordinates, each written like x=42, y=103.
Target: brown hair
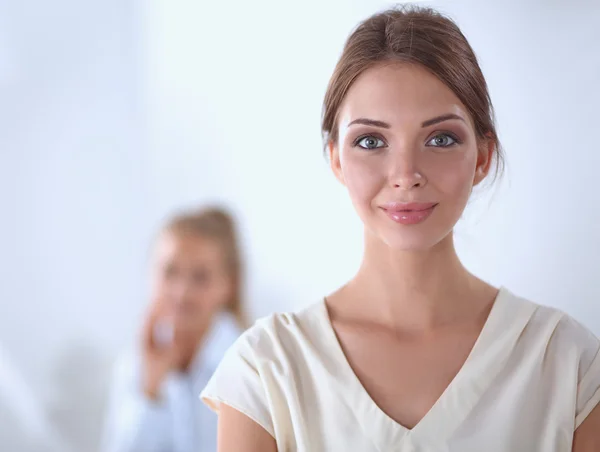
x=217, y=224
x=421, y=36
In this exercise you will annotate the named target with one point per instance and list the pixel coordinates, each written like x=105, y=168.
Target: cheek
x=217, y=293
x=453, y=176
x=363, y=176
x=159, y=286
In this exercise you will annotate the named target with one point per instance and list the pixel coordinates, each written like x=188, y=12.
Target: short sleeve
x=237, y=382
x=588, y=390
x=588, y=380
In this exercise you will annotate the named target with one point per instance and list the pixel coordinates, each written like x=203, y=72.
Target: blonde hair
x=217, y=224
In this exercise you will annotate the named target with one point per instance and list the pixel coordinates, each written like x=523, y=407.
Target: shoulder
x=559, y=333
x=263, y=362
x=223, y=334
x=277, y=342
x=568, y=332
x=572, y=339
x=279, y=333
x=574, y=351
x=575, y=335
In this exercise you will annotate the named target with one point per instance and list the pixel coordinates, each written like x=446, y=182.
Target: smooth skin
x=404, y=136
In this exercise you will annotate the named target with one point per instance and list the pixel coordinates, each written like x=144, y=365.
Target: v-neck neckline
x=506, y=320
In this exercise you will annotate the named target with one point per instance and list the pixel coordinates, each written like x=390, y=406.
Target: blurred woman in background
x=194, y=316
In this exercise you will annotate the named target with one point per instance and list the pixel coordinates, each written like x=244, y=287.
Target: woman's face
x=408, y=155
x=191, y=281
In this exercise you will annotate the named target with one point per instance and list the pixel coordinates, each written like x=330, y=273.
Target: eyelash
x=451, y=135
x=369, y=135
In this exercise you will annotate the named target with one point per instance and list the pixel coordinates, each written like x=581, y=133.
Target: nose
x=180, y=291
x=405, y=173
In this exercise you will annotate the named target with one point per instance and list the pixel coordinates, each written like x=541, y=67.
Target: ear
x=334, y=162
x=486, y=150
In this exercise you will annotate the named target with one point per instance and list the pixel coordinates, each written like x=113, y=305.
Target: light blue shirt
x=179, y=422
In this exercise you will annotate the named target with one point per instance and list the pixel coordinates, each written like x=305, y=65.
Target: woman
x=195, y=315
x=414, y=353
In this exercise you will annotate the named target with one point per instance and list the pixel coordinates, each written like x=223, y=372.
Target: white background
x=114, y=113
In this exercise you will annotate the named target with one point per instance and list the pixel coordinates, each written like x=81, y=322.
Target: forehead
x=399, y=93
x=188, y=247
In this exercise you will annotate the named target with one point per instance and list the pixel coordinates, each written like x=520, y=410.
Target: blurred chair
x=24, y=425
x=78, y=384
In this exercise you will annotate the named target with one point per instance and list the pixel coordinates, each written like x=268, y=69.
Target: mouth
x=409, y=213
x=184, y=309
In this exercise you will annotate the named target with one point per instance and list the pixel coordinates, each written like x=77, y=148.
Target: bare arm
x=587, y=436
x=238, y=433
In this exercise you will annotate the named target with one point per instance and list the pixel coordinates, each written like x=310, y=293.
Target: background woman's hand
x=158, y=350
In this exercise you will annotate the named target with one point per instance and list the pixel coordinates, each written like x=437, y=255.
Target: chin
x=414, y=238
x=424, y=236
x=411, y=244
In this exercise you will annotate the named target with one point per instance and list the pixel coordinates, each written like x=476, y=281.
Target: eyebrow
x=385, y=125
x=441, y=118
x=370, y=122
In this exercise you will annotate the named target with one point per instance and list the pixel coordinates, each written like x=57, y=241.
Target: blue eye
x=443, y=140
x=370, y=142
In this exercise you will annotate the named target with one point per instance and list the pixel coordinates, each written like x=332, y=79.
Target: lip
x=409, y=212
x=408, y=206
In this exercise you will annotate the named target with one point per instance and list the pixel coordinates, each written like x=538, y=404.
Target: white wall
x=253, y=77
x=115, y=112
x=74, y=194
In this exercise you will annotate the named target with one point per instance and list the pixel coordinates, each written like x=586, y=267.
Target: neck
x=415, y=289
x=188, y=342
